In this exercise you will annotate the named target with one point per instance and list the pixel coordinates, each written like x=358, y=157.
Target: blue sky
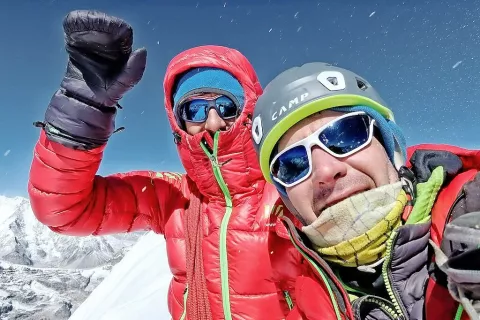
x=420, y=55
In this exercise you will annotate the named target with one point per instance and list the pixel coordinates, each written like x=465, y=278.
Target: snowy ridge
x=37, y=293
x=135, y=289
x=45, y=275
x=26, y=241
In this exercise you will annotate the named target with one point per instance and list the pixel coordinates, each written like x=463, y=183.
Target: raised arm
x=67, y=196
x=65, y=192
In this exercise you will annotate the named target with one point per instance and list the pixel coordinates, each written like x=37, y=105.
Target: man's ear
x=378, y=135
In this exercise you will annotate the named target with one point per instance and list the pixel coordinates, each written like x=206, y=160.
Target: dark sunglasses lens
x=226, y=107
x=292, y=166
x=195, y=110
x=347, y=134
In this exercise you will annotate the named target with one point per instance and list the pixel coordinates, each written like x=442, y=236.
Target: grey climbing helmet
x=302, y=91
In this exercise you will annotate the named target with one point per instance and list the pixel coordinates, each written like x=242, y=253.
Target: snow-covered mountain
x=45, y=275
x=135, y=289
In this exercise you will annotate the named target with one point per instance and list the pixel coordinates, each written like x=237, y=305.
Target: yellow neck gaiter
x=354, y=232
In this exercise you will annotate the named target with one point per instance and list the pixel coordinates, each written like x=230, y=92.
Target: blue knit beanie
x=392, y=135
x=206, y=79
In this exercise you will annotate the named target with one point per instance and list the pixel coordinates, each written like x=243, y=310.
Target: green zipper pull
x=225, y=287
x=288, y=299
x=185, y=296
x=396, y=301
x=459, y=313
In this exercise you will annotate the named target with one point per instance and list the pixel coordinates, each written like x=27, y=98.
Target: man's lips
x=342, y=196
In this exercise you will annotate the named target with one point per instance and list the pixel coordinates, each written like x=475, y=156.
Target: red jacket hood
x=236, y=154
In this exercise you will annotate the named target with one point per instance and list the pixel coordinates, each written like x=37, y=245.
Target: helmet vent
x=257, y=129
x=361, y=84
x=333, y=80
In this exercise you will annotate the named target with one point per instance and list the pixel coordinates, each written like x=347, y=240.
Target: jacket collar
x=235, y=154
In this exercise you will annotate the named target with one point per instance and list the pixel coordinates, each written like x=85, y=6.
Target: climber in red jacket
x=388, y=233
x=215, y=218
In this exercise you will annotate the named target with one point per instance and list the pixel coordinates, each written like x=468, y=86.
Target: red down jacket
x=68, y=196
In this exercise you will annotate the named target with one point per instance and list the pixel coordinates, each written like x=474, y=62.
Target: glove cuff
x=76, y=124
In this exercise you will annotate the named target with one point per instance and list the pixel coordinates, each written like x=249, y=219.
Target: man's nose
x=214, y=122
x=326, y=168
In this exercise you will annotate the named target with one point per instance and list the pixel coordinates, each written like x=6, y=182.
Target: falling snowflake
x=144, y=188
x=6, y=153
x=371, y=14
x=457, y=64
x=296, y=15
x=270, y=30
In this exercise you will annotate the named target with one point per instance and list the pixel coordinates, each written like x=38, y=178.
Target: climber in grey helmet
x=317, y=87
x=361, y=209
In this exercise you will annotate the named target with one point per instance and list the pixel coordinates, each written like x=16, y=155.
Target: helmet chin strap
x=286, y=201
x=292, y=209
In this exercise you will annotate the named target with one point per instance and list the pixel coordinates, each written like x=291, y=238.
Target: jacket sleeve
x=68, y=196
x=459, y=252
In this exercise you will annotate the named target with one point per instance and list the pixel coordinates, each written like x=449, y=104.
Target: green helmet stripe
x=302, y=112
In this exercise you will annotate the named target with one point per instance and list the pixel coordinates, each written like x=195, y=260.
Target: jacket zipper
x=382, y=304
x=288, y=299
x=223, y=225
x=321, y=272
x=185, y=296
x=387, y=277
x=459, y=313
x=369, y=298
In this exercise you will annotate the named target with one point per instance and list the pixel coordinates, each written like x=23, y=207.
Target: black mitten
x=101, y=69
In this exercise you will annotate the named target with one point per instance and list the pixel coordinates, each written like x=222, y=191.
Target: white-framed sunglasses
x=340, y=138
